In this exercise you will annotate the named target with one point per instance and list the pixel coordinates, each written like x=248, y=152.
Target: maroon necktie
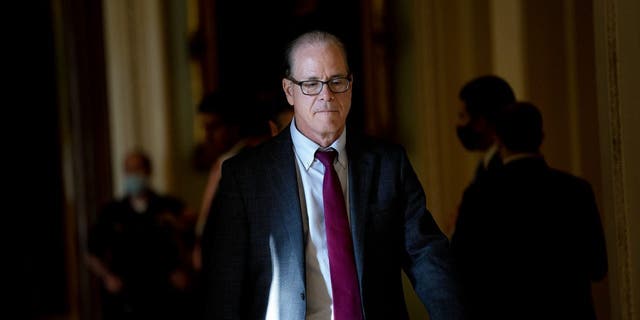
x=344, y=278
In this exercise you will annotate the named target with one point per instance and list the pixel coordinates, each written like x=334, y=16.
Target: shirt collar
x=489, y=154
x=519, y=156
x=306, y=149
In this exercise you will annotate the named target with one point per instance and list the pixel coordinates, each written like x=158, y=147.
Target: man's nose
x=326, y=93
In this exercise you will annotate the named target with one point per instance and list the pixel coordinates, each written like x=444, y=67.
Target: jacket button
x=302, y=296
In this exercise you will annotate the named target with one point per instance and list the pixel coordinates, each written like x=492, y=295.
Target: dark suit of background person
x=256, y=239
x=137, y=250
x=481, y=100
x=528, y=240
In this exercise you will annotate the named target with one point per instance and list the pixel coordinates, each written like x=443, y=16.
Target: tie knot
x=326, y=157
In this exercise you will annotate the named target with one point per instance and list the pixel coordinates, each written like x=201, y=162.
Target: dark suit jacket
x=142, y=249
x=254, y=244
x=494, y=164
x=528, y=241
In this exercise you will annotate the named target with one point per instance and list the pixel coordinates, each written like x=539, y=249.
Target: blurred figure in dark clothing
x=220, y=117
x=262, y=118
x=482, y=100
x=281, y=115
x=137, y=250
x=528, y=240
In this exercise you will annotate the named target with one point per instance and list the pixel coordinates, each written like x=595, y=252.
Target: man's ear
x=287, y=87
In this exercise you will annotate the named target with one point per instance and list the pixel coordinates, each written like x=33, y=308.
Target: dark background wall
x=40, y=236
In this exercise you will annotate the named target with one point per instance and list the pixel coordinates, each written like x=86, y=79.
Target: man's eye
x=311, y=84
x=338, y=82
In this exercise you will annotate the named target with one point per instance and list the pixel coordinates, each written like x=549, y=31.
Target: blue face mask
x=135, y=184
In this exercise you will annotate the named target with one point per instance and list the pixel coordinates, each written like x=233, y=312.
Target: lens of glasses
x=314, y=87
x=339, y=85
x=311, y=86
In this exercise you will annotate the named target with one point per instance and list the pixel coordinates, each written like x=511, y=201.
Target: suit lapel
x=288, y=214
x=285, y=233
x=360, y=172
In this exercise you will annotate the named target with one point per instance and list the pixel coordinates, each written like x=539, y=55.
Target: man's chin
x=329, y=130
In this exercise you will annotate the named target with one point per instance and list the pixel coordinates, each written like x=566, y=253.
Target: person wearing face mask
x=482, y=99
x=135, y=249
x=532, y=242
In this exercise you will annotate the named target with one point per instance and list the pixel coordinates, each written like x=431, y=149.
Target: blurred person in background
x=262, y=118
x=137, y=249
x=218, y=112
x=482, y=99
x=280, y=115
x=529, y=240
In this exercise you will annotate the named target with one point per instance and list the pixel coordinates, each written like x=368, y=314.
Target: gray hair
x=309, y=38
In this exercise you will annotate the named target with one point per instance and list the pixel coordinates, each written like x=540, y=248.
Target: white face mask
x=135, y=184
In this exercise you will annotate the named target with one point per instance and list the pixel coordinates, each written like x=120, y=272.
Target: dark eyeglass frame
x=301, y=83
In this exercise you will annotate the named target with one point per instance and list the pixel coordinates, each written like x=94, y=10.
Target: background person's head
x=275, y=108
x=320, y=109
x=254, y=127
x=519, y=128
x=279, y=114
x=280, y=118
x=218, y=113
x=482, y=99
x=137, y=170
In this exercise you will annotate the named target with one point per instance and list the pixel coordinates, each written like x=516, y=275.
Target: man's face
x=136, y=175
x=214, y=128
x=322, y=117
x=134, y=165
x=472, y=131
x=218, y=135
x=463, y=116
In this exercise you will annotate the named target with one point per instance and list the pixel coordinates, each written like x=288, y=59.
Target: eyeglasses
x=314, y=87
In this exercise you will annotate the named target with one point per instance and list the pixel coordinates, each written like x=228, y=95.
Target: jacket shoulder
x=369, y=144
x=268, y=153
x=569, y=181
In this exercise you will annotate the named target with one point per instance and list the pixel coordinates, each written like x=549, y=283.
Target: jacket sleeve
x=224, y=248
x=427, y=254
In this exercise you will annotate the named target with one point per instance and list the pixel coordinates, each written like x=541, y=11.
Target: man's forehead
x=308, y=66
x=134, y=163
x=311, y=49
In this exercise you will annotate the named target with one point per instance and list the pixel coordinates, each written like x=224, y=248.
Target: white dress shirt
x=310, y=172
x=486, y=158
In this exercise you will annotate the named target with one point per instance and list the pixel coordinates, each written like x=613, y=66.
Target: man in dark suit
x=528, y=240
x=137, y=248
x=482, y=99
x=276, y=246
